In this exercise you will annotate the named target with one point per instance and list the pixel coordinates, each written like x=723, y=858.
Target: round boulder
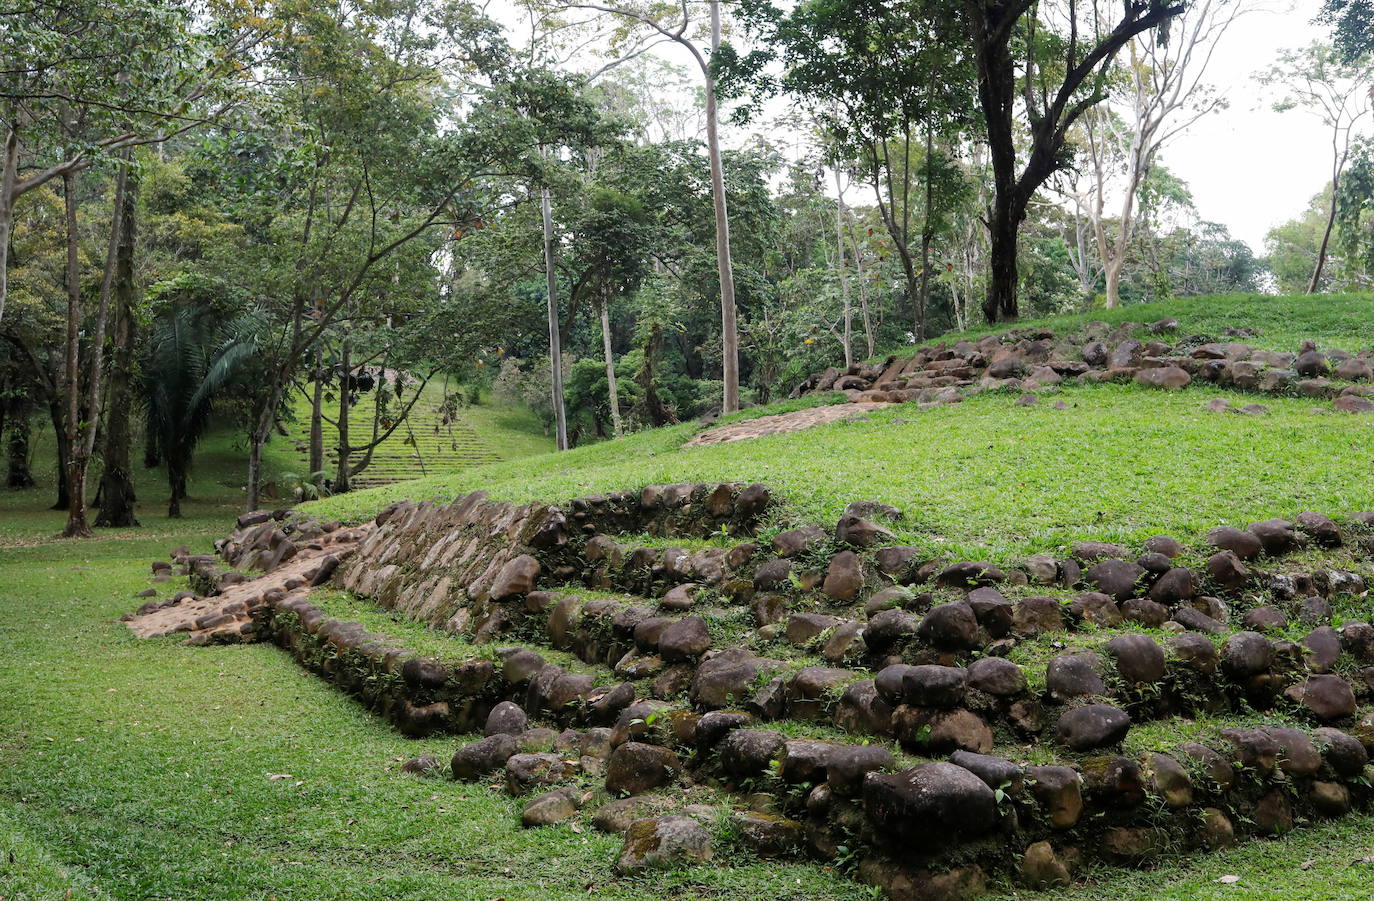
x=951, y=627
x=1094, y=726
x=930, y=803
x=1139, y=659
x=635, y=768
x=934, y=686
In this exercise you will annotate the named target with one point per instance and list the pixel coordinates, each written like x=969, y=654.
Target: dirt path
x=779, y=423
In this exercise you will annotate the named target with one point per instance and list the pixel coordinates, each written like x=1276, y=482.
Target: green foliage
x=1353, y=24
x=1355, y=214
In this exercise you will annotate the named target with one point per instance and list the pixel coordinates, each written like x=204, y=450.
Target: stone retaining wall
x=1034, y=359
x=937, y=829
x=691, y=654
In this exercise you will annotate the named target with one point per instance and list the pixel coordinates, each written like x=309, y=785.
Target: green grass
x=1344, y=321
x=142, y=769
x=424, y=444
x=986, y=477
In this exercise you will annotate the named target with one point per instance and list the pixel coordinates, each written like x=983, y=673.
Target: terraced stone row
x=994, y=815
x=1034, y=359
x=918, y=650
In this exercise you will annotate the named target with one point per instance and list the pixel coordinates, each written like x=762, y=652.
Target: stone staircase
x=428, y=442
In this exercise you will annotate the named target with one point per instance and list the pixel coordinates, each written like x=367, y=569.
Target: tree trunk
x=17, y=448
x=996, y=89
x=560, y=416
x=1001, y=297
x=317, y=422
x=654, y=409
x=116, y=484
x=1326, y=235
x=343, y=475
x=1113, y=271
x=83, y=404
x=610, y=366
x=927, y=232
x=859, y=276
x=843, y=274
x=9, y=172
x=59, y=427
x=729, y=331
x=176, y=485
x=75, y=466
x=257, y=437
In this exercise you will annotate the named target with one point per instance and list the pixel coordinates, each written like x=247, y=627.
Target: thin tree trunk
x=560, y=418
x=58, y=418
x=341, y=476
x=76, y=527
x=82, y=430
x=9, y=171
x=869, y=338
x=116, y=484
x=257, y=437
x=729, y=331
x=317, y=421
x=1326, y=235
x=843, y=275
x=1113, y=271
x=610, y=366
x=176, y=484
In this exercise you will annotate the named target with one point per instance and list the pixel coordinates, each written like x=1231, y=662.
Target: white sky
x=1249, y=167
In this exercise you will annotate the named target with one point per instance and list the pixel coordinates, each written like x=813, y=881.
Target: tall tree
x=192, y=360
x=116, y=479
x=1164, y=93
x=1321, y=82
x=129, y=72
x=611, y=245
x=1063, y=64
x=885, y=81
x=681, y=23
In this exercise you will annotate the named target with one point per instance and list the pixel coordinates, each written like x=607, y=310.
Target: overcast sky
x=1249, y=167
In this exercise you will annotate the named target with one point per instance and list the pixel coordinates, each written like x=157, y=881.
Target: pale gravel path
x=779, y=423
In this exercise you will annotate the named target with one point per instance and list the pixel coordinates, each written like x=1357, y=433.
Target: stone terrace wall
x=913, y=660
x=454, y=565
x=1034, y=359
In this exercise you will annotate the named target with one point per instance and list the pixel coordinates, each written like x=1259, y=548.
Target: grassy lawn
x=987, y=478
x=148, y=770
x=144, y=769
x=1344, y=321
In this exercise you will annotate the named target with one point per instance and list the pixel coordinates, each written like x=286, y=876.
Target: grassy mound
x=143, y=769
x=988, y=478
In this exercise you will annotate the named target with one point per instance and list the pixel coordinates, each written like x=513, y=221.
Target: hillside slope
x=990, y=478
x=433, y=441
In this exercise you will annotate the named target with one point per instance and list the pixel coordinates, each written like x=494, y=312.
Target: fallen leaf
x=1229, y=880
x=1307, y=864
x=577, y=827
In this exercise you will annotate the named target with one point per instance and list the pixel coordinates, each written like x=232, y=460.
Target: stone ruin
x=1037, y=360
x=932, y=724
